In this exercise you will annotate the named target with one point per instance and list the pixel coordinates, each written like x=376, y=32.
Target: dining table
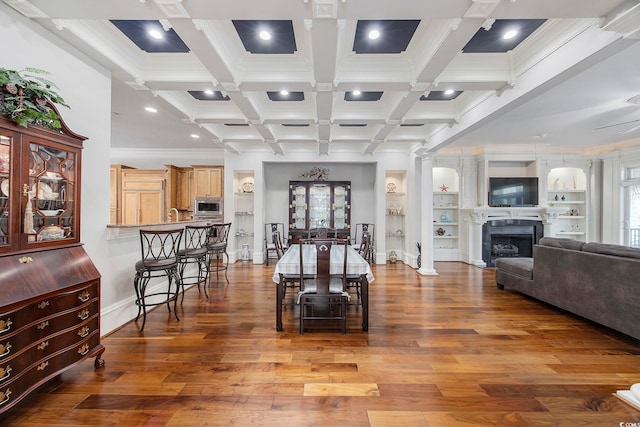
x=289, y=266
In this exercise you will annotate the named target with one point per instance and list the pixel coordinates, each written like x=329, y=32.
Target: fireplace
x=509, y=238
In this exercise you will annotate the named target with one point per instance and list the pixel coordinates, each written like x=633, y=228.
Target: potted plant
x=26, y=97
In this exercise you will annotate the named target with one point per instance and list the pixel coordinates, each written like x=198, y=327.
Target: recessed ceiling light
x=510, y=34
x=374, y=34
x=155, y=34
x=284, y=92
x=195, y=135
x=208, y=92
x=448, y=92
x=356, y=93
x=151, y=109
x=264, y=35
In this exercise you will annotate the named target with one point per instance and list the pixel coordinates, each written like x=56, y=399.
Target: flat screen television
x=513, y=191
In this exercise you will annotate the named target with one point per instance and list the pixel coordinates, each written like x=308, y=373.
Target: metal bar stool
x=217, y=246
x=194, y=252
x=159, y=259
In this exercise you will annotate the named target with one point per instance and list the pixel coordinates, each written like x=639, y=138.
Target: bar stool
x=217, y=246
x=194, y=252
x=159, y=259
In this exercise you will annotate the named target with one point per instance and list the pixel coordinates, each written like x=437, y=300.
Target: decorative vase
x=393, y=256
x=245, y=253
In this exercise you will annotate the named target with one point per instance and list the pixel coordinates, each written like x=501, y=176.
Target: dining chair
x=323, y=296
x=354, y=281
x=323, y=233
x=269, y=243
x=194, y=253
x=361, y=230
x=217, y=247
x=159, y=249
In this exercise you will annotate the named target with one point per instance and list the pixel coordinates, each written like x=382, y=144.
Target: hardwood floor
x=447, y=350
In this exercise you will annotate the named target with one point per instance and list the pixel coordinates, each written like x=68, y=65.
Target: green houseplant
x=24, y=96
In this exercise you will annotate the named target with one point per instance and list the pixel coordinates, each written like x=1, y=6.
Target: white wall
x=86, y=88
x=272, y=174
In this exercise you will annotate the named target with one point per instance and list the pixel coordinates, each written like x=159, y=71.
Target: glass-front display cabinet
x=316, y=205
x=38, y=187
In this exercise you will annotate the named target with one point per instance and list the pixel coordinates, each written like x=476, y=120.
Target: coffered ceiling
x=437, y=76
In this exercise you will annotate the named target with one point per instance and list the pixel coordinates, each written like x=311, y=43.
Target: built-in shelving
x=244, y=215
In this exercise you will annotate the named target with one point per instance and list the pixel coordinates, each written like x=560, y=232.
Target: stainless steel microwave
x=208, y=207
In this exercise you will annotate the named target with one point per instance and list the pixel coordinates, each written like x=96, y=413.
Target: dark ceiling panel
x=364, y=96
x=440, y=95
x=492, y=41
x=138, y=33
x=291, y=96
x=395, y=36
x=201, y=95
x=282, y=41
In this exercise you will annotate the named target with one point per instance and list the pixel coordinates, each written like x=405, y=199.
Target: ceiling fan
x=622, y=123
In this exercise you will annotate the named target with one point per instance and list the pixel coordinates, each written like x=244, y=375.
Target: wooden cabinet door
x=113, y=211
x=185, y=181
x=142, y=206
x=208, y=182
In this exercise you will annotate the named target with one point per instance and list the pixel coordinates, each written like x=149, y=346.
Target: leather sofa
x=597, y=281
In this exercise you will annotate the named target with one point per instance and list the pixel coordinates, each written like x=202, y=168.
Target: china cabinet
x=317, y=205
x=50, y=290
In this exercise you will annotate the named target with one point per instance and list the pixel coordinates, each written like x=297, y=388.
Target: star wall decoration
x=443, y=187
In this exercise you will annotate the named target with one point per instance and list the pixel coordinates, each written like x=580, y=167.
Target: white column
x=426, y=208
x=475, y=239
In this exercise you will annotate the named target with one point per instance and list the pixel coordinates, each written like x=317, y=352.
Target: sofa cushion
x=520, y=266
x=609, y=249
x=561, y=242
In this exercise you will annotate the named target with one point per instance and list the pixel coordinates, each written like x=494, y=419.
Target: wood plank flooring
x=448, y=350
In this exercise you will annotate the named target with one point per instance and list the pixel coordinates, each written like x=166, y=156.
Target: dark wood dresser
x=49, y=287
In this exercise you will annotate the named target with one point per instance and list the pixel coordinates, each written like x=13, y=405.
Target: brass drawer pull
x=5, y=373
x=83, y=332
x=43, y=325
x=43, y=345
x=4, y=396
x=84, y=297
x=25, y=260
x=42, y=366
x=6, y=349
x=43, y=304
x=84, y=314
x=5, y=325
x=84, y=349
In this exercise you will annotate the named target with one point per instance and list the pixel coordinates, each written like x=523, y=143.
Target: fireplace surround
x=509, y=237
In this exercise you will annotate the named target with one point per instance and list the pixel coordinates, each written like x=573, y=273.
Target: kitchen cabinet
x=50, y=290
x=185, y=189
x=143, y=196
x=319, y=204
x=208, y=181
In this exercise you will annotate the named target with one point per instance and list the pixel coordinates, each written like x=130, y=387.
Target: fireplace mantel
x=546, y=214
x=476, y=217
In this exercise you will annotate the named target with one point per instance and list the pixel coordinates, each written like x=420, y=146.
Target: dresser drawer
x=18, y=340
x=15, y=386
x=13, y=321
x=20, y=362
